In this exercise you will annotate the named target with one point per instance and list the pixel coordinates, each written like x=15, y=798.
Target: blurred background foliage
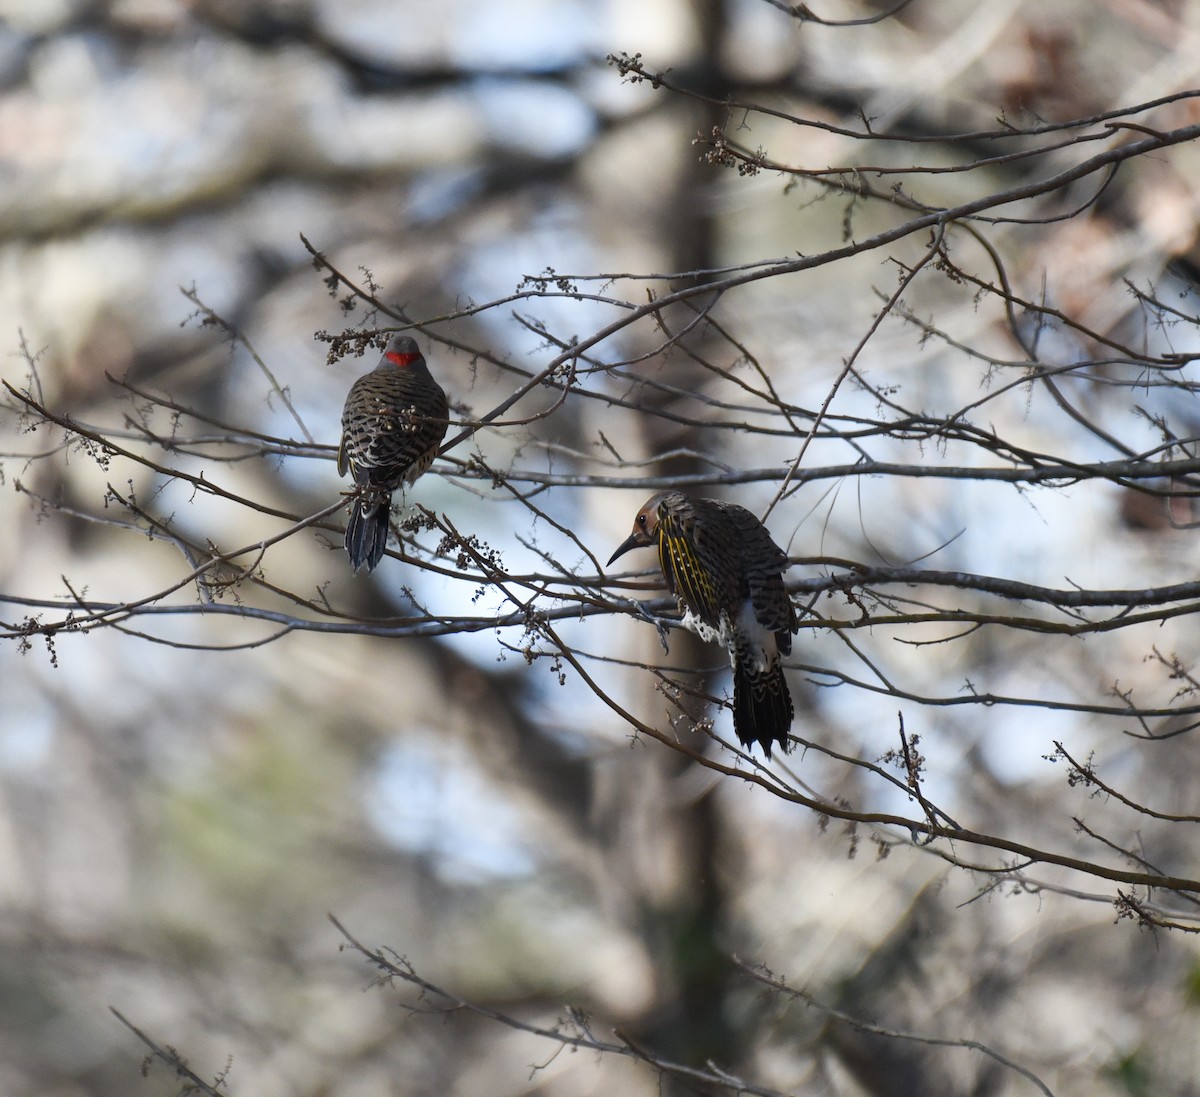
x=180, y=813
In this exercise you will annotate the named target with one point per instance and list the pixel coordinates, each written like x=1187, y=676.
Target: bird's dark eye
x=641, y=519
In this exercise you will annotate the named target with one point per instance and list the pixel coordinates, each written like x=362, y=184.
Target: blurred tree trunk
x=686, y=926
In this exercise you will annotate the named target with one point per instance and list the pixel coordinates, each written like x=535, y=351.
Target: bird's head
x=645, y=527
x=401, y=351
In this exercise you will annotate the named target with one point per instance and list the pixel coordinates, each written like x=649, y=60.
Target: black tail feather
x=762, y=707
x=367, y=533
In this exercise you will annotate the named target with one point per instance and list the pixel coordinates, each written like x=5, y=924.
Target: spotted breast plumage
x=393, y=423
x=727, y=574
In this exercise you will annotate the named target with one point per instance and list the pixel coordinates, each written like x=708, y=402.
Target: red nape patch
x=398, y=359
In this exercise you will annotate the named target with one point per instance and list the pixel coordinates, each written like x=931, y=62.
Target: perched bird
x=721, y=564
x=392, y=425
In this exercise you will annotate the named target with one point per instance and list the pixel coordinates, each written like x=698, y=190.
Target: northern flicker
x=392, y=425
x=721, y=564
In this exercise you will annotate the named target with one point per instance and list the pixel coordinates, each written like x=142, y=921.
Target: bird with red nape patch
x=393, y=423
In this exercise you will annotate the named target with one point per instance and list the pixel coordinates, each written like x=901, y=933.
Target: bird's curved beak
x=630, y=542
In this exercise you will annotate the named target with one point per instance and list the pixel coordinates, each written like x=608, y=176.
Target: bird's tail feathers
x=762, y=705
x=367, y=533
